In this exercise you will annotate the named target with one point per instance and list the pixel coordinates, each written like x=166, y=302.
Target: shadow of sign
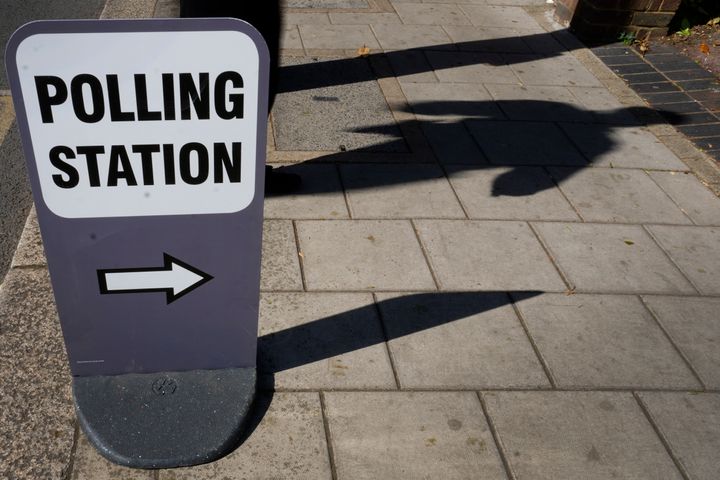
x=363, y=327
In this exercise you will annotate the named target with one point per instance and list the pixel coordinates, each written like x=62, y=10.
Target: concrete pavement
x=503, y=264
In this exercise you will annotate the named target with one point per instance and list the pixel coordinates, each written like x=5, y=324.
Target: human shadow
x=363, y=327
x=526, y=140
x=511, y=50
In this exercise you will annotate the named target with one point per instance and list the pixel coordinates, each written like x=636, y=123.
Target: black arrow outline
x=169, y=260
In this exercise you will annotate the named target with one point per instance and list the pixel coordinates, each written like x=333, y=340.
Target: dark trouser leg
x=264, y=15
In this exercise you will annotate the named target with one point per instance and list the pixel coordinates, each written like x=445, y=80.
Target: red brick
x=671, y=5
x=643, y=33
x=652, y=19
x=601, y=16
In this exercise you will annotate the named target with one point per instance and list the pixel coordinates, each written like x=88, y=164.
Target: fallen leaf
x=714, y=21
x=570, y=291
x=363, y=51
x=704, y=48
x=629, y=242
x=301, y=255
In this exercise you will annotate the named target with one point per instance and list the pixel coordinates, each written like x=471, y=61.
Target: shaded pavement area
x=503, y=264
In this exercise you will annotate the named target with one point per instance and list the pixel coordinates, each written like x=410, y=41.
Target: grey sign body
x=145, y=148
x=203, y=322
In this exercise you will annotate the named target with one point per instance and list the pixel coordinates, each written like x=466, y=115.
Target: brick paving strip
x=687, y=95
x=502, y=265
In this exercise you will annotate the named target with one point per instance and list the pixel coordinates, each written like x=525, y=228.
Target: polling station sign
x=145, y=145
x=145, y=149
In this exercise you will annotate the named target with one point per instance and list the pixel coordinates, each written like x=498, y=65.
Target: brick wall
x=602, y=20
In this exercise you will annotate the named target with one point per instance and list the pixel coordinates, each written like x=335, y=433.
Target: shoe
x=278, y=182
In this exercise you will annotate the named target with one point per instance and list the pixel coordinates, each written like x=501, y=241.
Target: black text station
x=94, y=99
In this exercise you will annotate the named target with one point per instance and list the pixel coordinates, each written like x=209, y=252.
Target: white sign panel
x=119, y=134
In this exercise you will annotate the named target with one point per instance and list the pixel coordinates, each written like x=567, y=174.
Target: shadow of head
x=516, y=135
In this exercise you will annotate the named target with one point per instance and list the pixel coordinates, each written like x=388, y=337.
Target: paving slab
x=693, y=198
x=524, y=143
x=290, y=37
x=305, y=18
x=453, y=143
x=411, y=66
x=332, y=105
x=604, y=107
x=88, y=464
x=319, y=197
x=487, y=39
x=401, y=37
x=364, y=18
x=690, y=423
x=624, y=147
x=502, y=193
x=287, y=441
x=399, y=191
x=545, y=43
x=523, y=3
x=337, y=36
x=588, y=435
x=540, y=103
x=411, y=435
x=459, y=341
x=603, y=341
x=487, y=255
x=309, y=4
x=30, y=247
x=362, y=255
x=431, y=14
x=502, y=17
x=280, y=263
x=564, y=70
x=612, y=259
x=617, y=195
x=448, y=102
x=322, y=341
x=696, y=250
x=471, y=67
x=692, y=324
x=36, y=409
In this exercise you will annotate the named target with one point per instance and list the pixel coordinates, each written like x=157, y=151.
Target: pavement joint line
x=35, y=266
x=661, y=435
x=452, y=187
x=302, y=42
x=549, y=390
x=271, y=136
x=391, y=357
x=564, y=195
x=533, y=344
x=669, y=257
x=344, y=190
x=677, y=348
x=496, y=438
x=546, y=248
x=67, y=474
x=300, y=255
x=328, y=436
x=619, y=293
x=693, y=222
x=436, y=280
x=577, y=291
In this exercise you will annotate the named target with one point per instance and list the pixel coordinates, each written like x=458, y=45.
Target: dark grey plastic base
x=167, y=419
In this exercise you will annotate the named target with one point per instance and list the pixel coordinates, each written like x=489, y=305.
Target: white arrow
x=175, y=278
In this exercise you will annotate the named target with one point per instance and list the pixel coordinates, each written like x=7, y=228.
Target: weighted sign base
x=166, y=419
